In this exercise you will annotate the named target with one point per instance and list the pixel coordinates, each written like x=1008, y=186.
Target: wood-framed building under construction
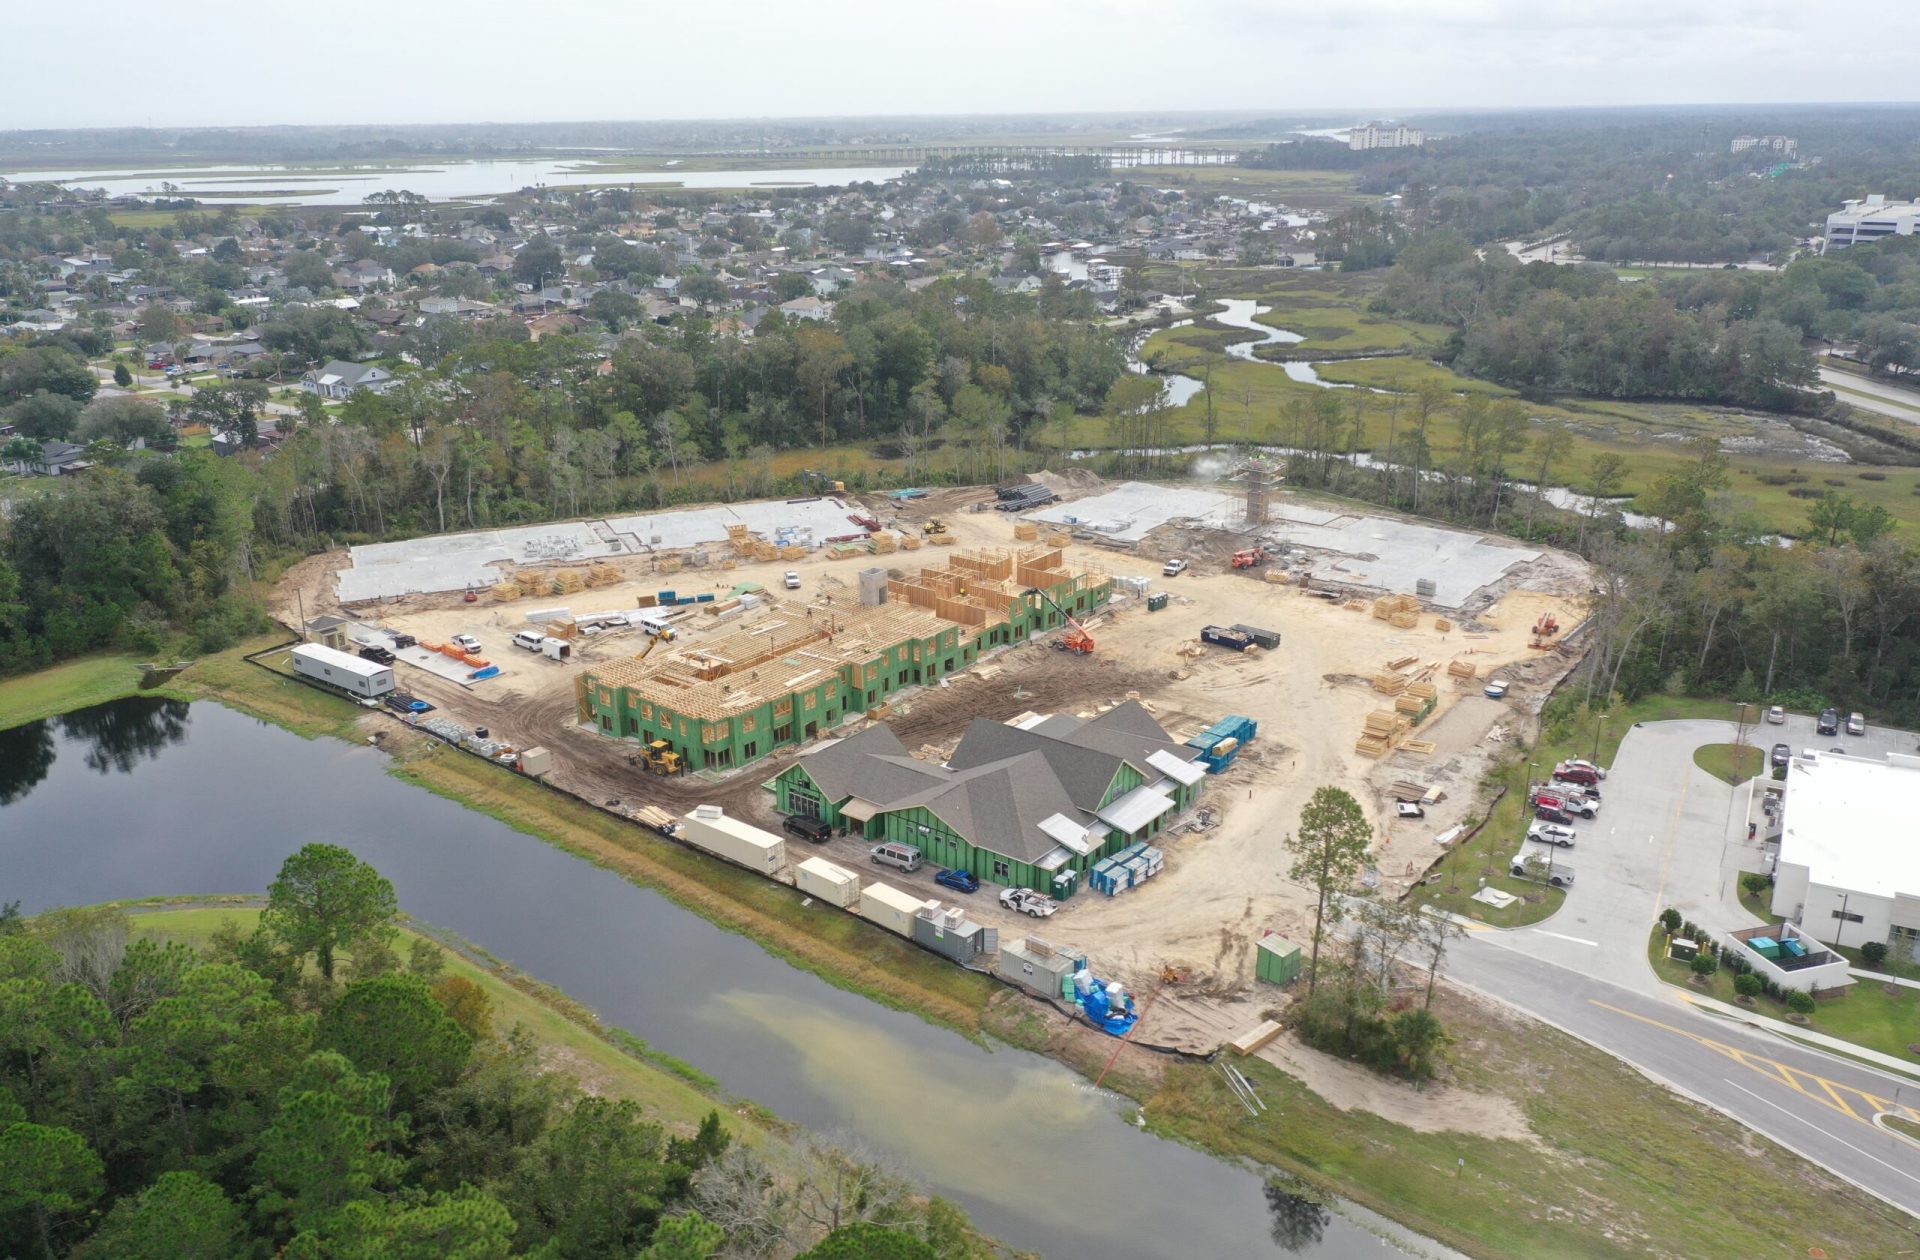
x=791, y=676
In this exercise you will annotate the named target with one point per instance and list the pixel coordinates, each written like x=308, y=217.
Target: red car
x=1574, y=772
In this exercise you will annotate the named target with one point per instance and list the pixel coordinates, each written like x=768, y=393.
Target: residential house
x=806, y=308
x=59, y=459
x=337, y=379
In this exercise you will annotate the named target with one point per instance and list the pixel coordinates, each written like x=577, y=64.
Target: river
x=316, y=184
x=148, y=797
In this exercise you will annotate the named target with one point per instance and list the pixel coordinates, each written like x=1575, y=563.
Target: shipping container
x=709, y=828
x=890, y=908
x=835, y=885
x=367, y=679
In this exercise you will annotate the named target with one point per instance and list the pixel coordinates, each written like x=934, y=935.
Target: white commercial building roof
x=1187, y=773
x=1849, y=821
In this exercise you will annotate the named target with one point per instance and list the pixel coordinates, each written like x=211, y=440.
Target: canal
x=148, y=797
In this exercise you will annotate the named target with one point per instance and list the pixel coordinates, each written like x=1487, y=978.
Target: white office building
x=1849, y=865
x=1385, y=136
x=1865, y=220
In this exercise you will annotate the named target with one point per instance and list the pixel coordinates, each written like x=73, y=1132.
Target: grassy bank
x=1729, y=763
x=63, y=688
x=606, y=1061
x=1612, y=1167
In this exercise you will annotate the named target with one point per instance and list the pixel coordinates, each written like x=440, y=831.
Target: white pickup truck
x=1027, y=901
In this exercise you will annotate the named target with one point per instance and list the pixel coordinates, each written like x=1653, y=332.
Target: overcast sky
x=117, y=62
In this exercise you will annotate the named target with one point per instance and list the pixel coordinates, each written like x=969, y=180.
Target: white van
x=793, y=579
x=528, y=639
x=903, y=856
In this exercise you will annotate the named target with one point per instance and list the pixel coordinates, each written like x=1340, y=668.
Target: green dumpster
x=1277, y=960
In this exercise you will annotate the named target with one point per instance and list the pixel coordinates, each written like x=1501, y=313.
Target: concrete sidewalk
x=1819, y=1040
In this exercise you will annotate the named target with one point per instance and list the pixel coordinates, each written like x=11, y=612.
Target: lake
x=148, y=797
x=316, y=184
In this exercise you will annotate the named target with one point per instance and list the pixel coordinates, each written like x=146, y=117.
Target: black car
x=378, y=655
x=1829, y=723
x=818, y=830
x=1781, y=756
x=404, y=640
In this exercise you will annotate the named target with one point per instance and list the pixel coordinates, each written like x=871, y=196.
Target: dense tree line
x=1551, y=329
x=303, y=1091
x=128, y=559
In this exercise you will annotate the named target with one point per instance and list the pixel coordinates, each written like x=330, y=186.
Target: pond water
x=147, y=797
x=314, y=184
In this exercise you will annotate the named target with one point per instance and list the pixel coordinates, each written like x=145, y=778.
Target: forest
x=304, y=1091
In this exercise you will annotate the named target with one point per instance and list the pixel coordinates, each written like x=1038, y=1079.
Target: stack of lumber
x=740, y=538
x=720, y=606
x=1278, y=577
x=504, y=591
x=793, y=551
x=1383, y=729
x=1423, y=689
x=602, y=574
x=1059, y=540
x=1026, y=531
x=1409, y=704
x=1404, y=620
x=668, y=564
x=1442, y=624
x=942, y=540
x=764, y=551
x=1461, y=670
x=1401, y=662
x=568, y=581
x=884, y=543
x=1387, y=607
x=909, y=543
x=1389, y=683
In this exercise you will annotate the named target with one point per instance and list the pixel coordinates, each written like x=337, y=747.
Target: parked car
x=1409, y=809
x=959, y=881
x=1174, y=568
x=1829, y=723
x=1566, y=803
x=1570, y=772
x=1581, y=761
x=903, y=856
x=1558, y=877
x=1841, y=751
x=1781, y=756
x=466, y=643
x=1856, y=724
x=403, y=641
x=1027, y=901
x=818, y=830
x=1495, y=689
x=793, y=579
x=1777, y=715
x=378, y=655
x=1553, y=814
x=1551, y=833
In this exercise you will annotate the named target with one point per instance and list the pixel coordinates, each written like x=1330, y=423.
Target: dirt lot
x=1221, y=885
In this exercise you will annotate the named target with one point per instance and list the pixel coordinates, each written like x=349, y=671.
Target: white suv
x=1551, y=833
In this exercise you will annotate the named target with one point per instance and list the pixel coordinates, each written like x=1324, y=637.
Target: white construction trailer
x=366, y=679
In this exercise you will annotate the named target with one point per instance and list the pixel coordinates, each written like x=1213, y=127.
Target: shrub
x=1871, y=476
x=1671, y=918
x=1833, y=481
x=1703, y=964
x=1747, y=985
x=1800, y=1002
x=1873, y=953
x=1806, y=492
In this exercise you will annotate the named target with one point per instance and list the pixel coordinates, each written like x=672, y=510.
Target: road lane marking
x=1577, y=940
x=1829, y=1094
x=1823, y=1133
x=1673, y=832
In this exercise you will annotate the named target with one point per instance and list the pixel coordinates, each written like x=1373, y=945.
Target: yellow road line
x=1673, y=831
x=1780, y=1073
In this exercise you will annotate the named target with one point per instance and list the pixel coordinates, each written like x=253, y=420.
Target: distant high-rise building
x=1785, y=146
x=1863, y=221
x=1385, y=136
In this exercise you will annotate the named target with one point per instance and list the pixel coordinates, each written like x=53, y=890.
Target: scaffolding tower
x=1257, y=474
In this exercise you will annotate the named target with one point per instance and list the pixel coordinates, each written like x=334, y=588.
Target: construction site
x=719, y=647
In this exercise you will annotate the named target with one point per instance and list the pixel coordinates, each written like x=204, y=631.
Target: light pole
x=1598, y=722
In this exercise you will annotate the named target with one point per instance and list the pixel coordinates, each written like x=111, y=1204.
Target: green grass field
x=1302, y=190
x=63, y=688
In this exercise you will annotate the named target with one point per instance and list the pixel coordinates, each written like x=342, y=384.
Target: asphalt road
x=1671, y=834
x=1872, y=395
x=1811, y=1103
